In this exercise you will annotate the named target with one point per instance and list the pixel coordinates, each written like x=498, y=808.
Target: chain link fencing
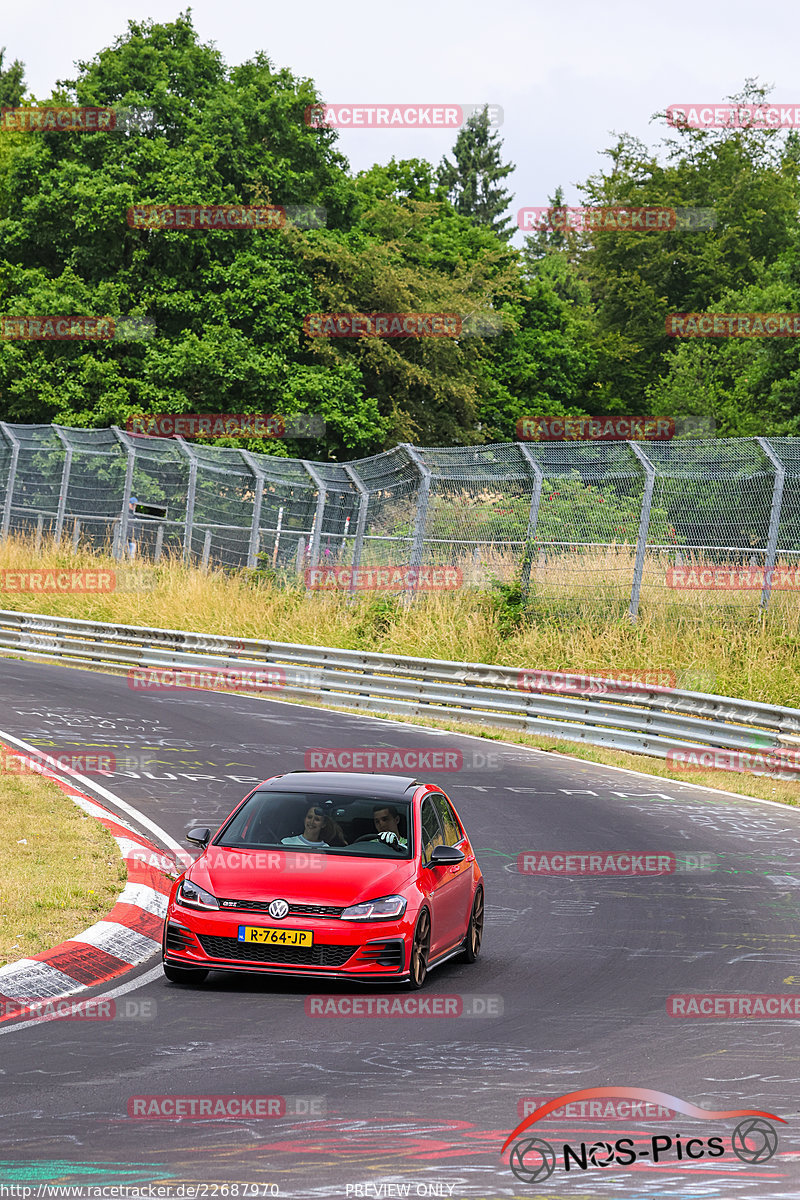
x=582, y=524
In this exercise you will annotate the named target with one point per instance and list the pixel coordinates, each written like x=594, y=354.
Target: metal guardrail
x=637, y=718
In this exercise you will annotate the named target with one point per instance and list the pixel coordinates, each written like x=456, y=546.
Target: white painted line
x=102, y=814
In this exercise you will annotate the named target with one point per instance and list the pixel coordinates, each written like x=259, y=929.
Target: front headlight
x=376, y=910
x=193, y=896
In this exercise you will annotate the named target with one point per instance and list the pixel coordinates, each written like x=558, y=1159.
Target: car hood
x=301, y=878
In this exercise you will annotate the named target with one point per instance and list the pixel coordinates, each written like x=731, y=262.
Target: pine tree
x=12, y=82
x=472, y=180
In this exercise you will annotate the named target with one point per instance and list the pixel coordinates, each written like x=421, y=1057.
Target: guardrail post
x=122, y=539
x=537, y=479
x=258, y=496
x=62, y=495
x=644, y=526
x=361, y=524
x=12, y=478
x=190, y=496
x=774, y=519
x=423, y=496
x=316, y=533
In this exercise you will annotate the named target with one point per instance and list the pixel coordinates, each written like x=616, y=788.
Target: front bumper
x=341, y=949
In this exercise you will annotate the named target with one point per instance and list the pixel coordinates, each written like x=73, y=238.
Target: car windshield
x=364, y=826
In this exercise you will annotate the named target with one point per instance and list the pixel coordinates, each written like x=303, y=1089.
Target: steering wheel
x=376, y=837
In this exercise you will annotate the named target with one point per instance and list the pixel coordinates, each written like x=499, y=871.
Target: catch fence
x=582, y=523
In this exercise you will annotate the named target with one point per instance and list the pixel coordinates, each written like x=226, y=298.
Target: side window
x=431, y=830
x=452, y=832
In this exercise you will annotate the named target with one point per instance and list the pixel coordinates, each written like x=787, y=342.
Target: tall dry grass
x=576, y=619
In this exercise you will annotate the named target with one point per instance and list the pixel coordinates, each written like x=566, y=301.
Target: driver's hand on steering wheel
x=390, y=838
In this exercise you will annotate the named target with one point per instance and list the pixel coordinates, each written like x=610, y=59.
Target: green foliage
x=472, y=180
x=12, y=82
x=228, y=307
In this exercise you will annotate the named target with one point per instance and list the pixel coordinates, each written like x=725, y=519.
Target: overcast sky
x=568, y=75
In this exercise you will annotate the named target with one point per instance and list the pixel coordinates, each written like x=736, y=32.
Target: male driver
x=387, y=823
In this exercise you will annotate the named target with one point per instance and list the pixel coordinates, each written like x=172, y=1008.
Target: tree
x=472, y=180
x=12, y=82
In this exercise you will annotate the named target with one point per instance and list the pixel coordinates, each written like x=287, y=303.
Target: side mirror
x=446, y=856
x=199, y=836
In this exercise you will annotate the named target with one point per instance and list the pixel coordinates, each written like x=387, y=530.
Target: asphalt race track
x=574, y=979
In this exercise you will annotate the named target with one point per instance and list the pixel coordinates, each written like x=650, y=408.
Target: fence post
x=316, y=535
x=537, y=479
x=206, y=549
x=255, y=528
x=122, y=542
x=423, y=495
x=190, y=496
x=65, y=473
x=774, y=519
x=361, y=524
x=644, y=526
x=12, y=477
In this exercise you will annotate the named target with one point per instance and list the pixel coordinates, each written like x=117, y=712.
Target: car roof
x=351, y=783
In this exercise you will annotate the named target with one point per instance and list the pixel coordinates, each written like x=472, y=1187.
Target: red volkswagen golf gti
x=317, y=873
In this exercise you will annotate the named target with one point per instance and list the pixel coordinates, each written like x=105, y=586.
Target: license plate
x=276, y=937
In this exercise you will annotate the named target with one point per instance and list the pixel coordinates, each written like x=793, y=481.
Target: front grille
x=295, y=910
x=292, y=956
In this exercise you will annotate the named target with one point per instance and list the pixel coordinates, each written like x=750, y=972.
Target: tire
x=185, y=974
x=420, y=949
x=472, y=942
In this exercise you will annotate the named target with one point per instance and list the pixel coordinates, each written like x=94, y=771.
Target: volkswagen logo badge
x=278, y=909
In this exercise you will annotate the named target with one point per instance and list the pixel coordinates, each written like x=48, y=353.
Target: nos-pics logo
x=754, y=1140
